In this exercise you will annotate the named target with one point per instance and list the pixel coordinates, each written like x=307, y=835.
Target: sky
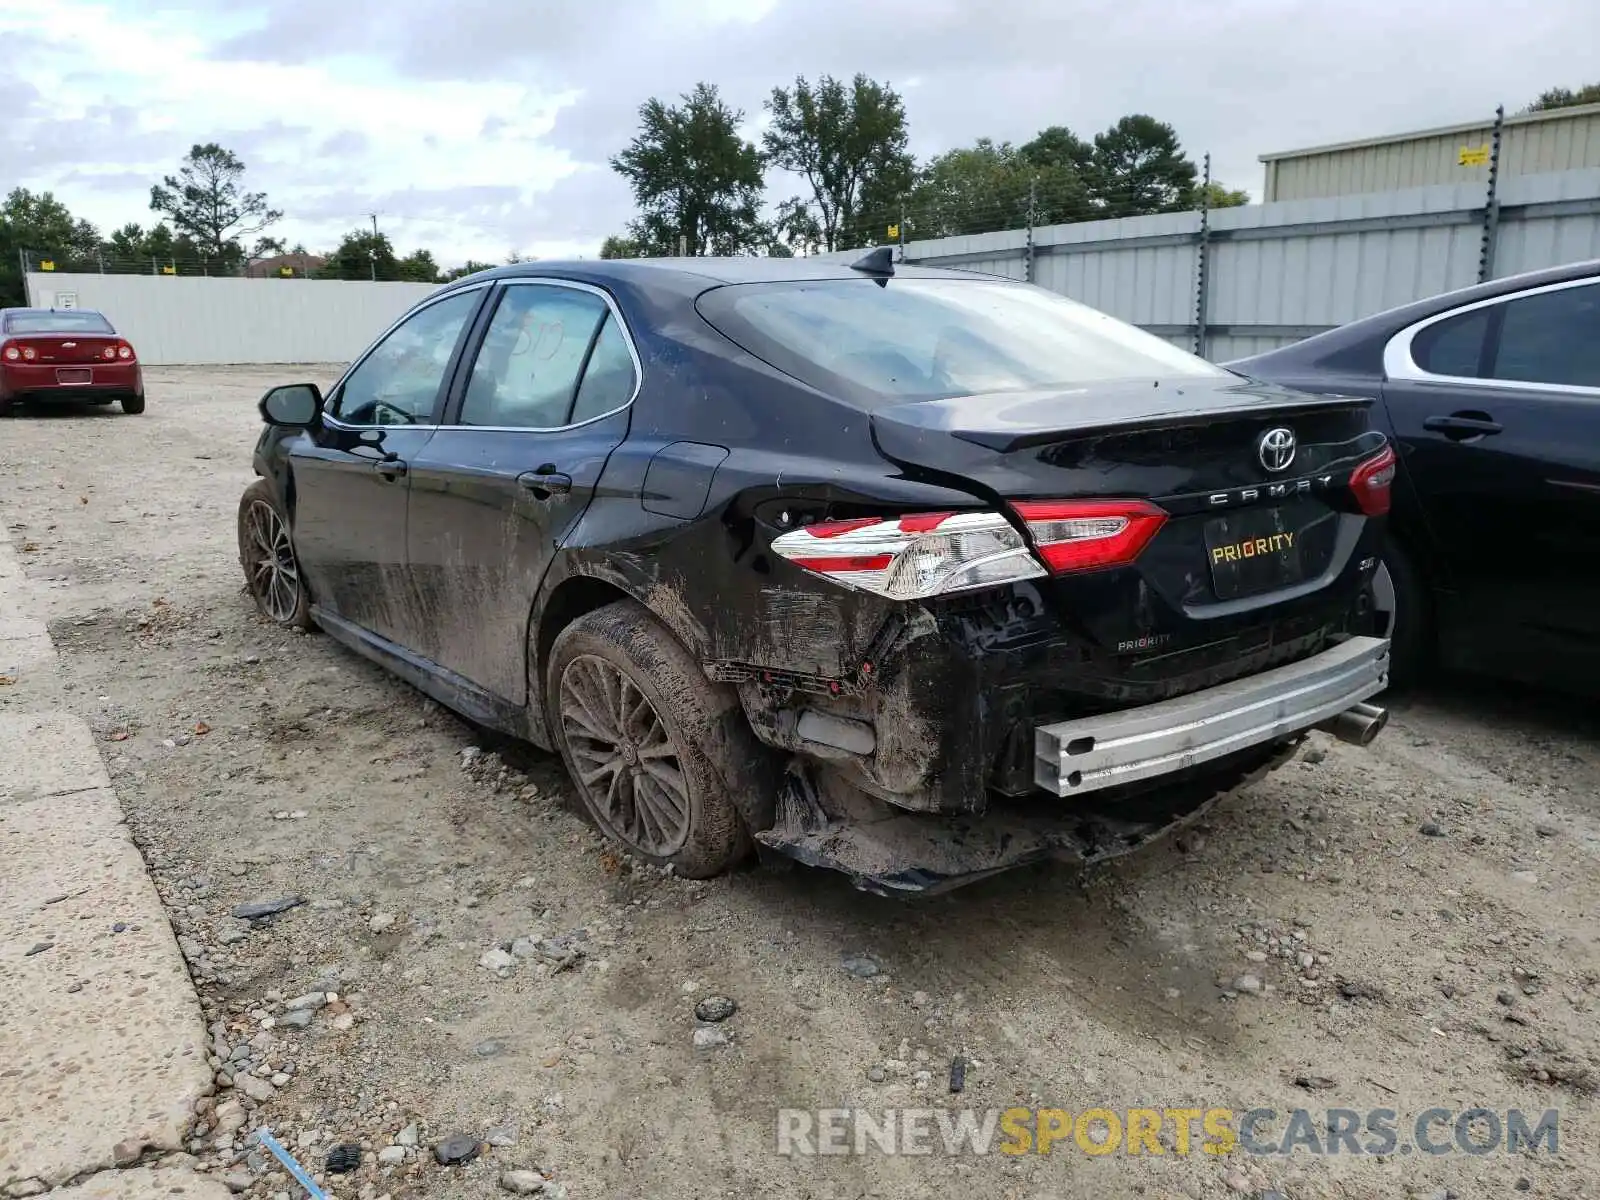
x=482, y=128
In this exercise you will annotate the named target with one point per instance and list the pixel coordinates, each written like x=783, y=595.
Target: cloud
x=478, y=127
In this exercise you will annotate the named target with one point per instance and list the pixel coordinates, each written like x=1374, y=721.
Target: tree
x=419, y=267
x=1219, y=196
x=133, y=244
x=1139, y=168
x=44, y=227
x=693, y=177
x=975, y=189
x=620, y=246
x=363, y=255
x=1060, y=164
x=1561, y=97
x=849, y=144
x=205, y=202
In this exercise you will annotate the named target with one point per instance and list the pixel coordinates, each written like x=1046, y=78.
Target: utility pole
x=372, y=253
x=374, y=217
x=683, y=245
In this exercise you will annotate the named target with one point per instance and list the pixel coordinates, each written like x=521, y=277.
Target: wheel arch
x=576, y=586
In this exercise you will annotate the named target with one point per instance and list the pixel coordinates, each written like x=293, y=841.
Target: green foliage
x=1062, y=168
x=1138, y=168
x=1218, y=195
x=620, y=246
x=419, y=267
x=206, y=203
x=1561, y=97
x=974, y=189
x=849, y=143
x=1134, y=168
x=363, y=255
x=38, y=223
x=470, y=267
x=693, y=178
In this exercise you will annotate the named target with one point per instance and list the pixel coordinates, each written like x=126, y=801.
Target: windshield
x=57, y=322
x=928, y=339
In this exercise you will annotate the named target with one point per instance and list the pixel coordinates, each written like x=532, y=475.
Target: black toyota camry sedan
x=913, y=574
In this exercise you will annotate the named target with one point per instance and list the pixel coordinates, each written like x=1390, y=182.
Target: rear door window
x=1551, y=338
x=526, y=372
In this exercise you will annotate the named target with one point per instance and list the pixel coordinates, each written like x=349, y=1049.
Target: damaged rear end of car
x=1142, y=581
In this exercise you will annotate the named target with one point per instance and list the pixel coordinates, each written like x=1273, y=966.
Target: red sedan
x=53, y=354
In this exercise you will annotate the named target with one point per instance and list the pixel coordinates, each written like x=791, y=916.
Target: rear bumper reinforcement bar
x=1091, y=753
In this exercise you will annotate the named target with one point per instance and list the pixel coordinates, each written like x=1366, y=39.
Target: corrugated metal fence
x=1276, y=273
x=198, y=320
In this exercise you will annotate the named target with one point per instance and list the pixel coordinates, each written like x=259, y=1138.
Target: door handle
x=545, y=482
x=1459, y=426
x=390, y=468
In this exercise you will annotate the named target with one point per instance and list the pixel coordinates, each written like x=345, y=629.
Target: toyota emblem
x=1276, y=449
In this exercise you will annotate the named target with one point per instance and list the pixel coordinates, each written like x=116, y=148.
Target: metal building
x=1561, y=139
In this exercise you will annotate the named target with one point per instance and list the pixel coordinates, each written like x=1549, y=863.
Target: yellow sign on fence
x=894, y=233
x=1474, y=156
x=46, y=265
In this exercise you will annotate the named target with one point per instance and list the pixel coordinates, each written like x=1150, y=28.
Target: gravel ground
x=1406, y=927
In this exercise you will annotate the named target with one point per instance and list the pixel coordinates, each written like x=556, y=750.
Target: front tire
x=133, y=405
x=634, y=717
x=266, y=552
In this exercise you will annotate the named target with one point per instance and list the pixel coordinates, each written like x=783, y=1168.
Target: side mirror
x=293, y=406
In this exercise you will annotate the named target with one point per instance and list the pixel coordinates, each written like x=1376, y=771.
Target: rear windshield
x=929, y=339
x=57, y=322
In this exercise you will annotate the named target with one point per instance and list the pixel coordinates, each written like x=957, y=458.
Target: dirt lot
x=1409, y=927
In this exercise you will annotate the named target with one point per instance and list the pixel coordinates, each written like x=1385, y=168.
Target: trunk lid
x=68, y=349
x=1255, y=520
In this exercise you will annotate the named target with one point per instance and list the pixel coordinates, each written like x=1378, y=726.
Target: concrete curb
x=102, y=1046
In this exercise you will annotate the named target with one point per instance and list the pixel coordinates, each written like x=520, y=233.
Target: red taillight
x=1088, y=535
x=912, y=557
x=1373, y=481
x=124, y=351
x=109, y=352
x=12, y=354
x=29, y=354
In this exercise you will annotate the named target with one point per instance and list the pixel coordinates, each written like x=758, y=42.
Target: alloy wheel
x=624, y=757
x=270, y=566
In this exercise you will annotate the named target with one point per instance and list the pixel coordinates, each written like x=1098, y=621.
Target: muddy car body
x=914, y=574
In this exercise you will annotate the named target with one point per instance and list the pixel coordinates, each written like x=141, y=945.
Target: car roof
x=710, y=271
x=1358, y=345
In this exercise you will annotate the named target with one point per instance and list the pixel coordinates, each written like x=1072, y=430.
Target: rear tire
x=1403, y=616
x=634, y=717
x=7, y=407
x=133, y=405
x=266, y=552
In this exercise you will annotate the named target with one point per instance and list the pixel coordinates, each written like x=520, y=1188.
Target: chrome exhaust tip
x=1358, y=724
